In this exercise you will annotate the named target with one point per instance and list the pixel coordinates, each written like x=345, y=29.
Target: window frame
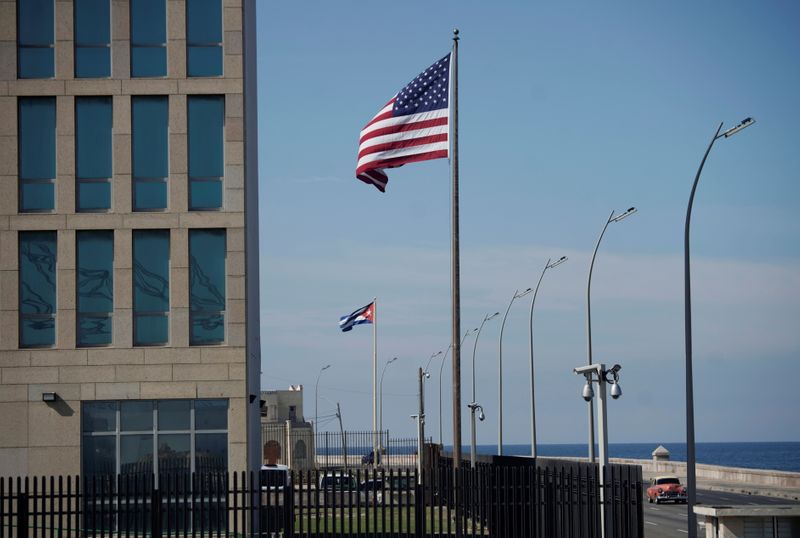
x=78, y=313
x=76, y=45
x=89, y=180
x=135, y=180
x=20, y=45
x=21, y=316
x=151, y=313
x=202, y=178
x=204, y=312
x=36, y=181
x=206, y=44
x=136, y=45
x=117, y=433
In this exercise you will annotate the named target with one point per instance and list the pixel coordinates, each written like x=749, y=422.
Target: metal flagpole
x=455, y=264
x=375, y=378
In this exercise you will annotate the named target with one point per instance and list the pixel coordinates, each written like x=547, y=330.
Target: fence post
x=155, y=513
x=22, y=514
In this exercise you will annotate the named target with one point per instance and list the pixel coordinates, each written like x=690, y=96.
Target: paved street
x=669, y=520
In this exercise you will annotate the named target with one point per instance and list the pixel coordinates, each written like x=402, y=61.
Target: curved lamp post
x=474, y=404
x=316, y=399
x=441, y=370
x=611, y=218
x=379, y=457
x=547, y=266
x=690, y=448
x=517, y=295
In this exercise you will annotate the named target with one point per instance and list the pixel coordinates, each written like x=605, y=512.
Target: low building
x=286, y=436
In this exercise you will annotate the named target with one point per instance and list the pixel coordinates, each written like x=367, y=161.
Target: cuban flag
x=364, y=314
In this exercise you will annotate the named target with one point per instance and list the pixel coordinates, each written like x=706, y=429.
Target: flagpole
x=455, y=263
x=375, y=454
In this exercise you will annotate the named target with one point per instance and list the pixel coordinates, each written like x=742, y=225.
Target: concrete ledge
x=777, y=510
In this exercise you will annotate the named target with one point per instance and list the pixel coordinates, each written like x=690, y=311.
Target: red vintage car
x=666, y=489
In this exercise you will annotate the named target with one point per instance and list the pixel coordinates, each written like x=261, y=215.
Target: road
x=669, y=520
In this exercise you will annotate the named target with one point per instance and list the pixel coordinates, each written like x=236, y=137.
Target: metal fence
x=301, y=449
x=543, y=499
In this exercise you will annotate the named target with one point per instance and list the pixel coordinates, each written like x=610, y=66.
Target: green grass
x=379, y=519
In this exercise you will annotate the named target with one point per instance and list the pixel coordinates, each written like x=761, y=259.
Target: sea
x=776, y=456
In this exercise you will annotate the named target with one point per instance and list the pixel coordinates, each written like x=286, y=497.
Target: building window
x=93, y=125
x=92, y=38
x=206, y=118
x=35, y=38
x=204, y=38
x=37, y=289
x=154, y=437
x=148, y=38
x=150, y=150
x=150, y=287
x=95, y=287
x=37, y=153
x=207, y=286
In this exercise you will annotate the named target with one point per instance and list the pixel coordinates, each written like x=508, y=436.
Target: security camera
x=481, y=416
x=616, y=391
x=588, y=391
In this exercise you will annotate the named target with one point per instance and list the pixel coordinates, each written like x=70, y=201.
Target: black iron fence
x=549, y=498
x=301, y=448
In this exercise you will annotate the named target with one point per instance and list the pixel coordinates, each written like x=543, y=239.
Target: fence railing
x=300, y=448
x=542, y=500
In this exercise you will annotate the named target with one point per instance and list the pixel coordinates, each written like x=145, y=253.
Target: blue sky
x=567, y=111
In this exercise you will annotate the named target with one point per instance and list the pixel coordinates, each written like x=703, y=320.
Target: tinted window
x=148, y=38
x=95, y=286
x=35, y=39
x=206, y=116
x=204, y=38
x=37, y=153
x=150, y=123
x=93, y=124
x=211, y=414
x=207, y=286
x=37, y=289
x=150, y=286
x=92, y=38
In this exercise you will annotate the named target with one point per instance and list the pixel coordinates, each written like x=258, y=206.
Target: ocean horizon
x=778, y=456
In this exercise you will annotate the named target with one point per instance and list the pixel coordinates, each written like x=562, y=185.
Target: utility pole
x=420, y=426
x=341, y=430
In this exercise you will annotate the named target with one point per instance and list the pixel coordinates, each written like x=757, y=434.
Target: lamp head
x=616, y=391
x=628, y=213
x=481, y=415
x=558, y=262
x=588, y=391
x=747, y=122
x=488, y=317
x=325, y=367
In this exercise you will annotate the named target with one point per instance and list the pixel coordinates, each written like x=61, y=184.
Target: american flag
x=413, y=126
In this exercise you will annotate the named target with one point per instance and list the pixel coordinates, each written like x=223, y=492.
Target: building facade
x=286, y=436
x=122, y=237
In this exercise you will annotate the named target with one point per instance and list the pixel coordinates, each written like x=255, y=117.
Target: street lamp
x=690, y=448
x=597, y=373
x=611, y=218
x=547, y=266
x=516, y=295
x=316, y=400
x=441, y=370
x=486, y=318
x=378, y=457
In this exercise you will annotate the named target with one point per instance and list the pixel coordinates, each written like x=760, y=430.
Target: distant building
x=284, y=426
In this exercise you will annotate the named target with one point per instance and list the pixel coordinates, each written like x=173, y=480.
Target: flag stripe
x=405, y=127
x=415, y=157
x=372, y=160
x=404, y=142
x=400, y=120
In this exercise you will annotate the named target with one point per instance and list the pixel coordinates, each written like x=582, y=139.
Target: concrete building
x=123, y=165
x=287, y=437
